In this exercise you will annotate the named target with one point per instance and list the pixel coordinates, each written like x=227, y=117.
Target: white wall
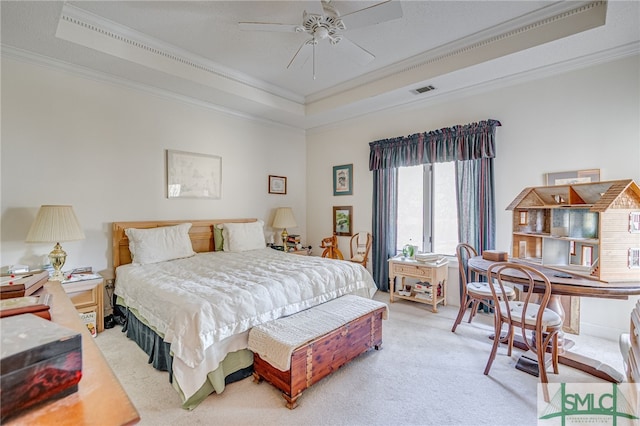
x=101, y=147
x=584, y=119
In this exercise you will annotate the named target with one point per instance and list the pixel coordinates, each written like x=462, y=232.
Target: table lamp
x=284, y=219
x=55, y=224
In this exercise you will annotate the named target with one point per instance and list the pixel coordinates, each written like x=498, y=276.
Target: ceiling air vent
x=425, y=89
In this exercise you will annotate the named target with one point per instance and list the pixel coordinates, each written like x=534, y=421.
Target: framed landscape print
x=343, y=180
x=343, y=221
x=191, y=175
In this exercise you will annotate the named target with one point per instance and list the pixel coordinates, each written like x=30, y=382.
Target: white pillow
x=243, y=236
x=159, y=244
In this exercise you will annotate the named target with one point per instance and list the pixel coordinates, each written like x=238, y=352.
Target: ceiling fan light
x=321, y=33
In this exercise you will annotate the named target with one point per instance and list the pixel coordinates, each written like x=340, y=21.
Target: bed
x=192, y=290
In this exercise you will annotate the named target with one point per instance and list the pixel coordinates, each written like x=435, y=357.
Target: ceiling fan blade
x=356, y=52
x=301, y=56
x=381, y=12
x=266, y=26
x=314, y=7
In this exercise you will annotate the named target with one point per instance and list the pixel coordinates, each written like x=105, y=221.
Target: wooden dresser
x=100, y=399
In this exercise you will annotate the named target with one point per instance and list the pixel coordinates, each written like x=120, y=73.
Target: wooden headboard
x=201, y=235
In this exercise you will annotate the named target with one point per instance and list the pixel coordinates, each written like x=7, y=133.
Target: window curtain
x=385, y=208
x=476, y=203
x=463, y=144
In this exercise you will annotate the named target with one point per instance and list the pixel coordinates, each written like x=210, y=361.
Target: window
x=427, y=208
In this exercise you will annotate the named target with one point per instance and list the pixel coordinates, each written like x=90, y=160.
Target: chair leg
x=541, y=351
x=494, y=348
x=509, y=337
x=474, y=309
x=554, y=353
x=461, y=311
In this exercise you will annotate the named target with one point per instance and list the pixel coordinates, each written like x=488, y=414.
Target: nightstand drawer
x=85, y=298
x=416, y=271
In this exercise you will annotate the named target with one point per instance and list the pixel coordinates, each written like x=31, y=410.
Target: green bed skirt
x=236, y=365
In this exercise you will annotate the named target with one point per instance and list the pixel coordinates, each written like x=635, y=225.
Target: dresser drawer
x=416, y=271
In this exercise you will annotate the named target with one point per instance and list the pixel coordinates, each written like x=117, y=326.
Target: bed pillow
x=218, y=239
x=155, y=245
x=243, y=236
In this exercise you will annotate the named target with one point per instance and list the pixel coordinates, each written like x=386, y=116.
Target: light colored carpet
x=424, y=375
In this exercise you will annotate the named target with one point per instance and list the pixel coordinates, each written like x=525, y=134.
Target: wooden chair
x=538, y=325
x=330, y=246
x=473, y=291
x=359, y=247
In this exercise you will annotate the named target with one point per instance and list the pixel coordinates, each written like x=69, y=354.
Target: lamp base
x=57, y=257
x=284, y=234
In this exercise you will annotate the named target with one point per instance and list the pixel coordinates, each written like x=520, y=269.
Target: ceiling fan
x=322, y=21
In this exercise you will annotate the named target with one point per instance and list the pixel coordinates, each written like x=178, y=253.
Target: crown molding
x=84, y=28
x=437, y=98
x=548, y=24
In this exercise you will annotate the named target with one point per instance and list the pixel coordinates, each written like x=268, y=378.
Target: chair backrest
x=464, y=252
x=529, y=279
x=359, y=246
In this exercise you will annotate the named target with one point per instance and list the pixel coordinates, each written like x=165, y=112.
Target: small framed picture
x=277, y=184
x=342, y=221
x=343, y=180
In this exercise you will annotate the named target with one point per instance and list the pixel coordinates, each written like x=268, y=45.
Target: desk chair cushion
x=550, y=319
x=482, y=289
x=357, y=258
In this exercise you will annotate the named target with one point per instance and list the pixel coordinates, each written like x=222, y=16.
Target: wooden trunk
x=318, y=358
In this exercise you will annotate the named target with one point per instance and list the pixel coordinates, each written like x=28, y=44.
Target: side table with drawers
x=434, y=275
x=88, y=296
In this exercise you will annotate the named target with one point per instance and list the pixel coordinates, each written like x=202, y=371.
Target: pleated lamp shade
x=54, y=224
x=284, y=219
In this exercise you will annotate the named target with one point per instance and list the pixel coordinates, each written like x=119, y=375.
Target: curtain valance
x=469, y=142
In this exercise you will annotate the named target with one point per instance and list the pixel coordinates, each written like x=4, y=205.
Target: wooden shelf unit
x=583, y=229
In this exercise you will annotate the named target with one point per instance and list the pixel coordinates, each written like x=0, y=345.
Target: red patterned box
x=39, y=361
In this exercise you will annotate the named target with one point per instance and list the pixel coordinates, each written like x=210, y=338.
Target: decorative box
x=39, y=361
x=495, y=255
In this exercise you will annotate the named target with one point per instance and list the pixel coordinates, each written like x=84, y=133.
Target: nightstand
x=303, y=252
x=88, y=296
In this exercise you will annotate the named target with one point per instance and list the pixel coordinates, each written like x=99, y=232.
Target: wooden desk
x=100, y=399
x=573, y=286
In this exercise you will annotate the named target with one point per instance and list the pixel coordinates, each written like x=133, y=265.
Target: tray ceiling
x=196, y=50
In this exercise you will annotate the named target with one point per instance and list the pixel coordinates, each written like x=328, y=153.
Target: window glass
x=427, y=209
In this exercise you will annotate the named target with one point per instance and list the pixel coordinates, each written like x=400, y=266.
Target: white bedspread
x=197, y=302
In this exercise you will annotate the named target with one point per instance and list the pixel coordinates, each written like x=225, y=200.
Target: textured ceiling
x=196, y=49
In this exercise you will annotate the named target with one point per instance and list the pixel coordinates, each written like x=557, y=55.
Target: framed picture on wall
x=277, y=184
x=191, y=175
x=570, y=178
x=343, y=221
x=343, y=180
